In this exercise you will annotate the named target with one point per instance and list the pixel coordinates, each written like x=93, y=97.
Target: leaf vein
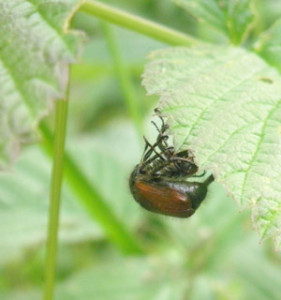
x=262, y=135
x=215, y=100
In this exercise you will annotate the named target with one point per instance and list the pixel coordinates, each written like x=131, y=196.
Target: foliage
x=36, y=49
x=229, y=114
x=229, y=101
x=233, y=19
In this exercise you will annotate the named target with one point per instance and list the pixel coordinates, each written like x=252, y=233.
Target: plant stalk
x=123, y=75
x=138, y=24
x=55, y=197
x=95, y=204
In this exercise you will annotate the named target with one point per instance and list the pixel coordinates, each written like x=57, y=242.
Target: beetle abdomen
x=161, y=198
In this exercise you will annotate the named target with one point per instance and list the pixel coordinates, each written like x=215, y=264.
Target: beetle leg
x=200, y=175
x=151, y=150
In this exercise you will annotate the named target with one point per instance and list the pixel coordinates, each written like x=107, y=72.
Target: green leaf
x=110, y=176
x=128, y=279
x=182, y=265
x=269, y=45
x=24, y=192
x=259, y=278
x=22, y=295
x=36, y=48
x=224, y=103
x=23, y=206
x=231, y=18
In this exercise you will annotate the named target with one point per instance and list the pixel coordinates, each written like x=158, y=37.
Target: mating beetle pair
x=158, y=182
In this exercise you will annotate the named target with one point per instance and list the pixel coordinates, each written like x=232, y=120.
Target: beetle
x=158, y=183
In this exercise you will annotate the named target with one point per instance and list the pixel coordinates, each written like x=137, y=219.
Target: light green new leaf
x=269, y=45
x=224, y=103
x=232, y=18
x=35, y=51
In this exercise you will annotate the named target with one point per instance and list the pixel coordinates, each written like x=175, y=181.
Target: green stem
x=146, y=27
x=55, y=195
x=123, y=76
x=94, y=202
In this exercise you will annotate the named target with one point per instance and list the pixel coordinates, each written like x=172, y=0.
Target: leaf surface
x=224, y=103
x=231, y=18
x=35, y=51
x=128, y=279
x=24, y=192
x=23, y=209
x=269, y=45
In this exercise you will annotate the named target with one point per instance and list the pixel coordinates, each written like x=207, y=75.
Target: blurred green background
x=216, y=254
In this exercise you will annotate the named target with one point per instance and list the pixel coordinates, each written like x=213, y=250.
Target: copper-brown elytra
x=158, y=183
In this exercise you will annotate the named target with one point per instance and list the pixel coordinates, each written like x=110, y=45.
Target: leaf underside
x=224, y=103
x=35, y=51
